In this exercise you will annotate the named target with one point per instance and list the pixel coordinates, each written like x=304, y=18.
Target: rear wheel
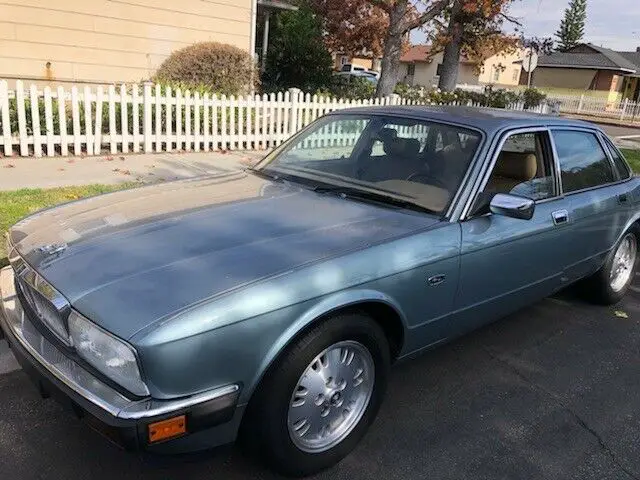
x=317, y=403
x=611, y=283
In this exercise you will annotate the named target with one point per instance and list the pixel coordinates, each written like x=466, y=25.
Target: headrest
x=402, y=147
x=387, y=134
x=518, y=166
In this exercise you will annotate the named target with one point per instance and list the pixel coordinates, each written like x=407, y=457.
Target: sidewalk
x=48, y=172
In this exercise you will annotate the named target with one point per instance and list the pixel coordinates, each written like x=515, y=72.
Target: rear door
x=598, y=201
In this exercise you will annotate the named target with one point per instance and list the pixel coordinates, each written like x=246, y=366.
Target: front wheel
x=317, y=403
x=613, y=280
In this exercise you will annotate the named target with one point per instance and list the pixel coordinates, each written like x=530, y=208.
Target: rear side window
x=618, y=161
x=583, y=162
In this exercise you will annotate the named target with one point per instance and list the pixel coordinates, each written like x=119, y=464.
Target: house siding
x=107, y=41
x=566, y=78
x=510, y=76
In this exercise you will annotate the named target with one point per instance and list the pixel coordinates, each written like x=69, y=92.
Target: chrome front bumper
x=22, y=333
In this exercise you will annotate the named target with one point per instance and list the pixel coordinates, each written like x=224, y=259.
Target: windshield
x=421, y=162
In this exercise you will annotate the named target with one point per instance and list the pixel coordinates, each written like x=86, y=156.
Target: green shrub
x=532, y=97
x=349, y=88
x=214, y=66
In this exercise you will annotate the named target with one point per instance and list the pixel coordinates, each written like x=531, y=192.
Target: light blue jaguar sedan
x=269, y=304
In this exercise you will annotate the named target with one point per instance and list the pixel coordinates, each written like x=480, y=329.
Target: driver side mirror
x=512, y=206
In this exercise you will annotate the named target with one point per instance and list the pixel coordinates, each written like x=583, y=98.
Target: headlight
x=111, y=356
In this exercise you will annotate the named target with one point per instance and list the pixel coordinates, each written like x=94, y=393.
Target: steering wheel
x=435, y=181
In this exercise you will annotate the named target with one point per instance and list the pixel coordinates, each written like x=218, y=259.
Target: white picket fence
x=150, y=118
x=623, y=110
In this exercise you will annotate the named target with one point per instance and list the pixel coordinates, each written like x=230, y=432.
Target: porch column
x=265, y=41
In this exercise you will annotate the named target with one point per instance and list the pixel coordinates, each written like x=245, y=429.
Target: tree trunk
x=451, y=58
x=392, y=50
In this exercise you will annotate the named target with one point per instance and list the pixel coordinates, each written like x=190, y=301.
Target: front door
x=507, y=263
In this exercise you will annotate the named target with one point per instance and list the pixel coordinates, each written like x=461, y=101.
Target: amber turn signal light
x=170, y=428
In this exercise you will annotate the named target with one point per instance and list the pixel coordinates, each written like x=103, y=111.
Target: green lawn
x=19, y=203
x=633, y=157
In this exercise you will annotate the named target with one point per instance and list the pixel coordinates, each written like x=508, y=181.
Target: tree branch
x=431, y=13
x=511, y=19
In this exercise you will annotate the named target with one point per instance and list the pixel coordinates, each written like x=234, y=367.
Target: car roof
x=486, y=119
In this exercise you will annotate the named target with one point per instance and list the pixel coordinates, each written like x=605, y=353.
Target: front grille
x=46, y=303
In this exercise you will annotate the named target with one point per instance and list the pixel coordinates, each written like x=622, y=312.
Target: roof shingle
x=599, y=58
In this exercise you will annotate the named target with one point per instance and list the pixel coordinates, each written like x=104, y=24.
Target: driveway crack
x=578, y=419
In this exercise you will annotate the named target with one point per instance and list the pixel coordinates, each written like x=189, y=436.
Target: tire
x=601, y=288
x=273, y=418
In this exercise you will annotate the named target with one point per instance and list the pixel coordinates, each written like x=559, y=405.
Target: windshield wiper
x=267, y=175
x=379, y=198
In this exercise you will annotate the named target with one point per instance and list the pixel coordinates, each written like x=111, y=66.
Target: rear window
x=618, y=161
x=583, y=162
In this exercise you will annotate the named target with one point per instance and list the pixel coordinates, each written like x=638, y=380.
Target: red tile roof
x=416, y=53
x=420, y=53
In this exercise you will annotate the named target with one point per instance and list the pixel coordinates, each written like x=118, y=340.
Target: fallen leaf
x=223, y=152
x=61, y=169
x=115, y=170
x=122, y=159
x=71, y=161
x=621, y=314
x=9, y=165
x=109, y=159
x=125, y=172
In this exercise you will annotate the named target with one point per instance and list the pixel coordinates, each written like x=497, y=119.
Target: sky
x=613, y=24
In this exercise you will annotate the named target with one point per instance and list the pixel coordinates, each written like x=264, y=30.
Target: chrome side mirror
x=512, y=206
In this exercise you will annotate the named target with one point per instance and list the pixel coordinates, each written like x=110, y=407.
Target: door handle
x=622, y=198
x=560, y=217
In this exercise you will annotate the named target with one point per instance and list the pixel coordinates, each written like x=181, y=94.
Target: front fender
x=319, y=310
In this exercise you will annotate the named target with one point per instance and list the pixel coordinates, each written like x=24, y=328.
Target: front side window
x=411, y=69
x=524, y=167
x=583, y=162
x=416, y=161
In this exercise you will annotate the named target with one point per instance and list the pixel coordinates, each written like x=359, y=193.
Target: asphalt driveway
x=551, y=392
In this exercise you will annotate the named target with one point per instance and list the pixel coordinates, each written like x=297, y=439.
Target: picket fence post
x=35, y=121
x=581, y=103
x=6, y=125
x=624, y=108
x=48, y=116
x=113, y=146
x=97, y=146
x=22, y=119
x=124, y=118
x=293, y=118
x=146, y=120
x=168, y=144
x=62, y=122
x=158, y=118
x=135, y=104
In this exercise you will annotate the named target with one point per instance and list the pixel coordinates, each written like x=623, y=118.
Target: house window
x=496, y=74
x=344, y=60
x=411, y=69
x=516, y=75
x=439, y=69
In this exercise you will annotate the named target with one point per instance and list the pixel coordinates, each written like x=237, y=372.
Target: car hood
x=130, y=258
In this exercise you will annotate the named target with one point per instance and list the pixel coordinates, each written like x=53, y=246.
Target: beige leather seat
x=512, y=168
